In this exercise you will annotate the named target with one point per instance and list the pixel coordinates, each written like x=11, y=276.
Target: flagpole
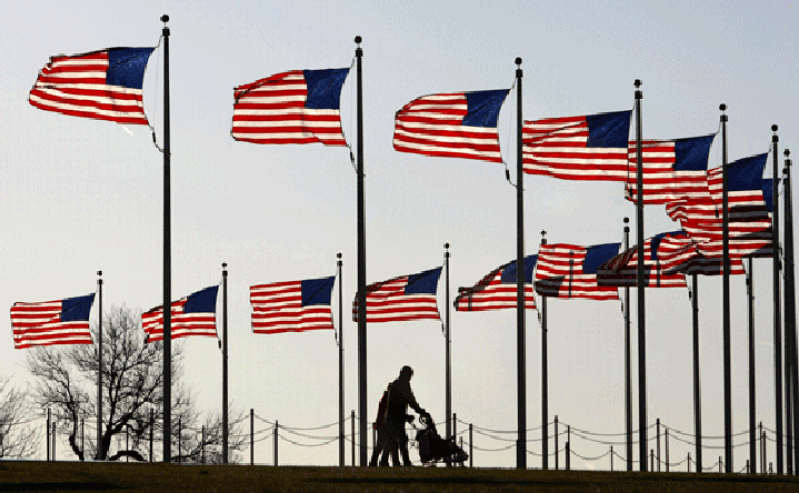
x=697, y=383
x=725, y=241
x=642, y=418
x=339, y=264
x=521, y=345
x=628, y=386
x=448, y=342
x=790, y=294
x=224, y=367
x=361, y=264
x=544, y=379
x=167, y=258
x=100, y=365
x=775, y=231
x=750, y=291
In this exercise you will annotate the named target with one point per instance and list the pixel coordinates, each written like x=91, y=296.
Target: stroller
x=433, y=448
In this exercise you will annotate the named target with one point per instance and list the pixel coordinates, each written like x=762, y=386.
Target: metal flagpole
x=100, y=365
x=225, y=430
x=521, y=345
x=544, y=379
x=628, y=386
x=775, y=231
x=447, y=337
x=339, y=263
x=642, y=418
x=790, y=294
x=167, y=258
x=725, y=221
x=361, y=264
x=750, y=291
x=697, y=384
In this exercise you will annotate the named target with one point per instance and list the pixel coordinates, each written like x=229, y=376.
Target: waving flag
x=297, y=107
x=460, y=125
x=294, y=306
x=194, y=315
x=497, y=290
x=570, y=271
x=53, y=322
x=402, y=298
x=591, y=147
x=106, y=85
x=689, y=260
x=673, y=169
x=622, y=270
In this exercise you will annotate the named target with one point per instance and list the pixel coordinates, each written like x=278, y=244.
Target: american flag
x=194, y=315
x=497, y=290
x=749, y=219
x=570, y=271
x=462, y=125
x=402, y=298
x=105, y=85
x=52, y=322
x=296, y=107
x=293, y=306
x=673, y=169
x=689, y=260
x=589, y=147
x=622, y=270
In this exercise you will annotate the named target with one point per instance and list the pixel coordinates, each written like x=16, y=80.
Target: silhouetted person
x=400, y=396
x=382, y=435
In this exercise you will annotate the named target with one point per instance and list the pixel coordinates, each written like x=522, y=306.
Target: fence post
x=180, y=442
x=471, y=447
x=252, y=437
x=720, y=464
x=556, y=442
x=689, y=461
x=763, y=453
x=667, y=450
x=48, y=435
x=82, y=438
x=611, y=458
x=54, y=440
x=202, y=445
x=152, y=426
x=747, y=466
x=352, y=422
x=568, y=447
x=454, y=424
x=652, y=460
x=277, y=427
x=658, y=442
x=127, y=443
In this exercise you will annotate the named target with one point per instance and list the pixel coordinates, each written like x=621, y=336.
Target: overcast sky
x=79, y=195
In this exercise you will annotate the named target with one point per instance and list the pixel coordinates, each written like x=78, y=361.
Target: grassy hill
x=99, y=477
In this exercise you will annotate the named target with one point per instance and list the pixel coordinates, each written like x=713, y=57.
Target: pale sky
x=78, y=196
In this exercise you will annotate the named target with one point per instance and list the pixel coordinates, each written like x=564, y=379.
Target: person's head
x=406, y=373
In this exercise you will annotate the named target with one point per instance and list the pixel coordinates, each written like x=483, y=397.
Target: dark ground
x=99, y=477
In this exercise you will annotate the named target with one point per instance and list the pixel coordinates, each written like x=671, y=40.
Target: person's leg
x=403, y=446
x=381, y=440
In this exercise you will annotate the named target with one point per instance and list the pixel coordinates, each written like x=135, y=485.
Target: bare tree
x=132, y=388
x=18, y=438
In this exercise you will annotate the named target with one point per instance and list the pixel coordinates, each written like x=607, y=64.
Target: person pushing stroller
x=399, y=397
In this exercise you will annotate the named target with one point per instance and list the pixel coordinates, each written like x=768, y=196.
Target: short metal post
x=352, y=422
x=127, y=443
x=252, y=437
x=54, y=435
x=658, y=442
x=689, y=461
x=471, y=448
x=180, y=442
x=556, y=442
x=720, y=463
x=747, y=466
x=568, y=456
x=202, y=446
x=667, y=450
x=48, y=435
x=152, y=427
x=277, y=427
x=83, y=438
x=454, y=424
x=651, y=459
